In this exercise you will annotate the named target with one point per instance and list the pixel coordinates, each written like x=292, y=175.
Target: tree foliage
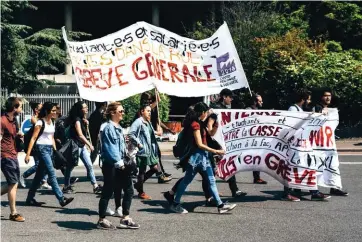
x=26, y=54
x=132, y=104
x=287, y=45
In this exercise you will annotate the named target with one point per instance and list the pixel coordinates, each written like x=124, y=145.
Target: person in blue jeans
x=43, y=140
x=77, y=126
x=199, y=160
x=35, y=106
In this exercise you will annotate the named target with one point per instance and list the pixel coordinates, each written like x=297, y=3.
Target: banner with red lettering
x=142, y=57
x=296, y=148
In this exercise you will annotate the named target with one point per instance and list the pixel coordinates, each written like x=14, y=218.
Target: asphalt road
x=260, y=216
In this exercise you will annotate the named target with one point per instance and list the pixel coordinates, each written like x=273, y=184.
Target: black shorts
x=11, y=170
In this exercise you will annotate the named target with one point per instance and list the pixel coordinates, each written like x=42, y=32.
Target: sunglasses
x=122, y=112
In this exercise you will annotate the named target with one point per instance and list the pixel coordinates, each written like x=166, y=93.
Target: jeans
x=85, y=158
x=143, y=176
x=205, y=185
x=32, y=169
x=116, y=180
x=45, y=167
x=190, y=175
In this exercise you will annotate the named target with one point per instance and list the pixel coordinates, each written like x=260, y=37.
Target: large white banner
x=296, y=148
x=142, y=57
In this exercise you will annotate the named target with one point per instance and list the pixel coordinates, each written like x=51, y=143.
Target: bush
x=132, y=104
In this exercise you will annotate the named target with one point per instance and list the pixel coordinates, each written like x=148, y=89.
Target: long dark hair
x=194, y=113
x=46, y=109
x=75, y=112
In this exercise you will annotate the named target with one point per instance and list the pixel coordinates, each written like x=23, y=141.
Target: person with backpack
x=36, y=107
x=42, y=141
x=142, y=135
x=60, y=137
x=9, y=156
x=182, y=150
x=76, y=130
x=199, y=160
x=95, y=121
x=117, y=176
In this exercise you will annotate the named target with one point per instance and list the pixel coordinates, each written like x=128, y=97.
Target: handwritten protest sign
x=296, y=148
x=142, y=57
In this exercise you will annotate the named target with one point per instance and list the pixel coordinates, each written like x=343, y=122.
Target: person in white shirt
x=43, y=139
x=303, y=101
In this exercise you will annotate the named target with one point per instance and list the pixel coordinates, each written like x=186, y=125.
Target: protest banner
x=296, y=148
x=142, y=57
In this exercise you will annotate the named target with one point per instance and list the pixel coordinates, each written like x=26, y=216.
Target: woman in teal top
x=143, y=136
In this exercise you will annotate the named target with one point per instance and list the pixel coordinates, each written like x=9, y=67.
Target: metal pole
x=68, y=16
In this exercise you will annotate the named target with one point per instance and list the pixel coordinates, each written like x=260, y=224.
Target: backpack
x=29, y=134
x=184, y=145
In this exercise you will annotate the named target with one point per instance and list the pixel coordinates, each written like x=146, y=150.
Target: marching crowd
x=59, y=142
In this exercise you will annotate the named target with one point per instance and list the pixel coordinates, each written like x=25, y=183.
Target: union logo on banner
x=224, y=65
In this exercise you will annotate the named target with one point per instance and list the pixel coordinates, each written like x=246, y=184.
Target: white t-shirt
x=295, y=108
x=46, y=138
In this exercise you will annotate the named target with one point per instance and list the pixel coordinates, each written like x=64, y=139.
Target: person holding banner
x=324, y=101
x=77, y=130
x=303, y=100
x=148, y=98
x=225, y=101
x=143, y=136
x=36, y=107
x=199, y=160
x=257, y=103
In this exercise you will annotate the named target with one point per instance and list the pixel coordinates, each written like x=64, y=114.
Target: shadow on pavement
x=81, y=211
x=79, y=225
x=358, y=144
x=23, y=204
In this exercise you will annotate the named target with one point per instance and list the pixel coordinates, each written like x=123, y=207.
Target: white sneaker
x=118, y=213
x=178, y=209
x=226, y=208
x=22, y=181
x=109, y=212
x=46, y=186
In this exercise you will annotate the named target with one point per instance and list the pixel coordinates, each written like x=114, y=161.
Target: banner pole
x=158, y=111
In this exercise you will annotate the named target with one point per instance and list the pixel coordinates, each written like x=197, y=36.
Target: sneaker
x=338, y=192
x=290, y=198
x=168, y=197
x=105, y=224
x=97, y=189
x=226, y=207
x=68, y=190
x=319, y=197
x=118, y=213
x=66, y=201
x=22, y=181
x=46, y=186
x=128, y=224
x=109, y=212
x=144, y=196
x=239, y=193
x=16, y=217
x=73, y=180
x=260, y=181
x=178, y=209
x=34, y=203
x=163, y=179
